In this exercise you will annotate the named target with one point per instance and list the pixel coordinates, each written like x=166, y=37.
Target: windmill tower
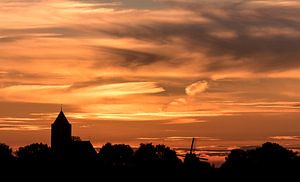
x=192, y=149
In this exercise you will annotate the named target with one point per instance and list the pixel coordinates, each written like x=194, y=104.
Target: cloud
x=148, y=138
x=178, y=101
x=285, y=137
x=240, y=22
x=186, y=121
x=175, y=138
x=21, y=128
x=120, y=89
x=130, y=58
x=63, y=93
x=21, y=124
x=182, y=28
x=196, y=88
x=179, y=138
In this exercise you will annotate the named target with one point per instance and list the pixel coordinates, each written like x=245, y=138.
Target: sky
x=136, y=71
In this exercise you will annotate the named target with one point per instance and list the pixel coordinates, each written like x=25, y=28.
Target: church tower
x=61, y=134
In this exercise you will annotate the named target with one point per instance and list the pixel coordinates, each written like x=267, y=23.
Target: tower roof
x=61, y=119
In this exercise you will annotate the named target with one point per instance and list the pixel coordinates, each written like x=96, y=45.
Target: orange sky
x=163, y=71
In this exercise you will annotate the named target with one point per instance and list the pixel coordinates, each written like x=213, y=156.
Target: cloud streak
x=196, y=88
x=64, y=93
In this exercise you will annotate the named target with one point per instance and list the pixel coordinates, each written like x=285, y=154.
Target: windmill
x=193, y=148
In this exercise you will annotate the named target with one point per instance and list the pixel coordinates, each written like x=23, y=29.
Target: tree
x=236, y=160
x=167, y=157
x=117, y=156
x=35, y=152
x=145, y=155
x=6, y=153
x=270, y=161
x=158, y=156
x=272, y=154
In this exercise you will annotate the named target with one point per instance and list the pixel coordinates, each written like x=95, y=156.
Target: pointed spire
x=61, y=118
x=61, y=108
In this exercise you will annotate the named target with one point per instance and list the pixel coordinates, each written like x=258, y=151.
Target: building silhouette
x=64, y=145
x=61, y=134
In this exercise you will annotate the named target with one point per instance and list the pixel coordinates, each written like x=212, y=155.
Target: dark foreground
x=148, y=163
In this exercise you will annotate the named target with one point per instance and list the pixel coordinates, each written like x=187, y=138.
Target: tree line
x=270, y=161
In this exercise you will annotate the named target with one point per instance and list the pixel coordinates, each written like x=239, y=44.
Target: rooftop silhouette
x=64, y=145
x=61, y=119
x=61, y=135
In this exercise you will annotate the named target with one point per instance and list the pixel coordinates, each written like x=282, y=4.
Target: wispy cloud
x=175, y=138
x=179, y=138
x=285, y=137
x=196, y=88
x=64, y=93
x=186, y=121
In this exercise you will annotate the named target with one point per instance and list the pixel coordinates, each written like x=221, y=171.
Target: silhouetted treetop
x=269, y=160
x=118, y=155
x=158, y=156
x=35, y=152
x=6, y=153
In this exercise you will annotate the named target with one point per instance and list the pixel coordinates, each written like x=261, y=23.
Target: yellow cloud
x=64, y=93
x=120, y=89
x=196, y=88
